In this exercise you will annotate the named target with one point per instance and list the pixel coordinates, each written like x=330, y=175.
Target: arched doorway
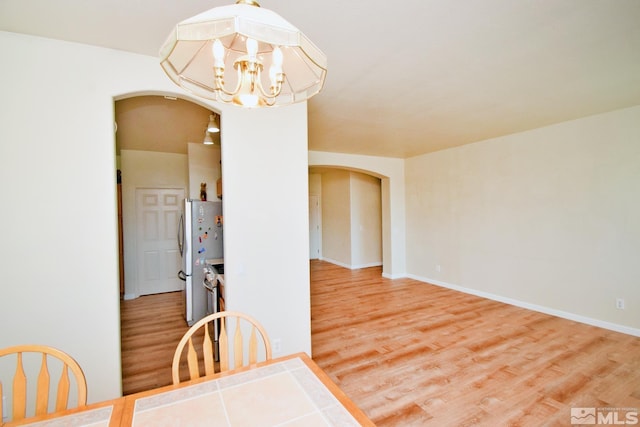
x=161, y=157
x=391, y=174
x=350, y=209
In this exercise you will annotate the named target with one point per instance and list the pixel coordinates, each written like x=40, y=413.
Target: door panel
x=158, y=257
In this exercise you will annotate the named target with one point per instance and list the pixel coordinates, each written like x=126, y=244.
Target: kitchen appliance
x=200, y=238
x=212, y=285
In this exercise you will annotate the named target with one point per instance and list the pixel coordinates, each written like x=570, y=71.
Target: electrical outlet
x=277, y=345
x=438, y=269
x=620, y=303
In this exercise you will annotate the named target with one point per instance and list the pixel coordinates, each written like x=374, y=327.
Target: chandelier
x=274, y=63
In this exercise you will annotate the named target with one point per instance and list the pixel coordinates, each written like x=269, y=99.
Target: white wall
x=144, y=169
x=366, y=221
x=60, y=258
x=548, y=218
x=336, y=217
x=266, y=220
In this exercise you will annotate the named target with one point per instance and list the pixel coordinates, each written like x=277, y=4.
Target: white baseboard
x=393, y=276
x=371, y=264
x=539, y=308
x=333, y=261
x=129, y=296
x=350, y=267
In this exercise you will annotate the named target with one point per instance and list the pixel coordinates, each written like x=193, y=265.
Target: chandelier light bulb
x=277, y=57
x=218, y=53
x=252, y=49
x=275, y=71
x=273, y=75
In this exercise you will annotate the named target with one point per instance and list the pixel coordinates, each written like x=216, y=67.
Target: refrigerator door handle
x=181, y=234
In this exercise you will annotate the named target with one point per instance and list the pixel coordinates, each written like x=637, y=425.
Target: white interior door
x=314, y=227
x=157, y=214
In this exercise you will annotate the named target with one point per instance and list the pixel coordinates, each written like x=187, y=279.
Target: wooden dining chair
x=49, y=356
x=200, y=343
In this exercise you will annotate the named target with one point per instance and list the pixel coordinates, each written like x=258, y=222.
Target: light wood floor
x=151, y=327
x=413, y=354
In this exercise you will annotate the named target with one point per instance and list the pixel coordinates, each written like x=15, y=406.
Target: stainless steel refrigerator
x=199, y=239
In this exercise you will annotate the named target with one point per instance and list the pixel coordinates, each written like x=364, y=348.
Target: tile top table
x=103, y=414
x=290, y=391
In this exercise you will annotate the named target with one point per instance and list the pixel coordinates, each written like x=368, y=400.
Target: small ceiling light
x=213, y=125
x=200, y=52
x=207, y=139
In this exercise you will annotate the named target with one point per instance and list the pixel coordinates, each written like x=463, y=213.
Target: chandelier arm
x=258, y=82
x=268, y=95
x=272, y=93
x=224, y=97
x=278, y=87
x=219, y=83
x=220, y=88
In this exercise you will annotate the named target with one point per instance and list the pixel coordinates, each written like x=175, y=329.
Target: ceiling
x=410, y=77
x=157, y=123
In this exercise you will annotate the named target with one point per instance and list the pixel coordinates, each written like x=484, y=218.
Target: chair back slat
x=229, y=340
x=192, y=361
x=207, y=349
x=39, y=403
x=19, y=391
x=253, y=347
x=223, y=346
x=42, y=390
x=62, y=398
x=238, y=351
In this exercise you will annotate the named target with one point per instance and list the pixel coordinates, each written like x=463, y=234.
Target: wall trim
x=333, y=261
x=350, y=267
x=534, y=307
x=371, y=264
x=393, y=276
